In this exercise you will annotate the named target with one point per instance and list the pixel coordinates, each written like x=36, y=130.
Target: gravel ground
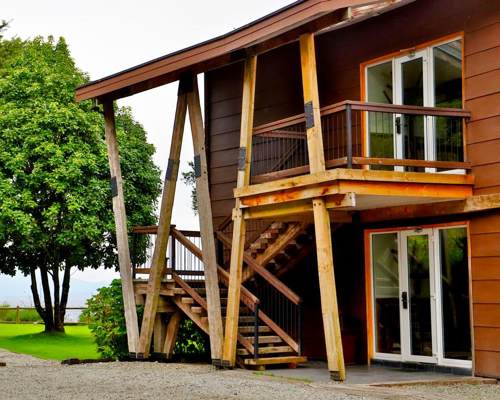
x=27, y=377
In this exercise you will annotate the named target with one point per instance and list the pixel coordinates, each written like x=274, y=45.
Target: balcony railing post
x=300, y=327
x=256, y=331
x=348, y=110
x=172, y=253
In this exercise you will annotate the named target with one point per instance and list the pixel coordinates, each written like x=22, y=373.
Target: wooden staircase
x=262, y=341
x=272, y=348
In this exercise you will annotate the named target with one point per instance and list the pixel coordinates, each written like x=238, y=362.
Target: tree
x=189, y=179
x=55, y=200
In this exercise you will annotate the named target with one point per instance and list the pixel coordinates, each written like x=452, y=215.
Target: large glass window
x=447, y=61
x=455, y=293
x=386, y=292
x=381, y=127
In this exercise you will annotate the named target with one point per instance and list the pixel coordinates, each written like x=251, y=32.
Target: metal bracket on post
x=170, y=170
x=197, y=166
x=114, y=186
x=242, y=157
x=308, y=110
x=186, y=83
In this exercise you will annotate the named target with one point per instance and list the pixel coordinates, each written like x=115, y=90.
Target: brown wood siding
x=339, y=55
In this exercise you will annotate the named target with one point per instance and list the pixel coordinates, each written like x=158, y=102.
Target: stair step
x=203, y=291
x=266, y=350
x=268, y=235
x=276, y=360
x=198, y=310
x=250, y=329
x=258, y=246
x=187, y=300
x=278, y=225
x=264, y=339
x=179, y=291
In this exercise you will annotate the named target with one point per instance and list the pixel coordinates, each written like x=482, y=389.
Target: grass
x=30, y=339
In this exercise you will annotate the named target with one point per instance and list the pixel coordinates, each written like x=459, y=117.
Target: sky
x=106, y=37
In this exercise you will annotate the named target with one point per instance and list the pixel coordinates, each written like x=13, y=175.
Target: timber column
x=206, y=224
x=121, y=228
x=238, y=246
x=160, y=250
x=329, y=306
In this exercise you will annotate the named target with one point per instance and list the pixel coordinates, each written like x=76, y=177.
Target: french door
x=420, y=295
x=411, y=89
x=430, y=77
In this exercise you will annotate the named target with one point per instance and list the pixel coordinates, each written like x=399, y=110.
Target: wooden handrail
x=153, y=229
x=364, y=106
x=248, y=298
x=268, y=276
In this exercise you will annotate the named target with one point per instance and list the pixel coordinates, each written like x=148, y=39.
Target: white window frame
x=430, y=148
x=436, y=298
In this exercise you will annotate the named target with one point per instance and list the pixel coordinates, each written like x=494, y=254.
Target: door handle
x=398, y=125
x=404, y=299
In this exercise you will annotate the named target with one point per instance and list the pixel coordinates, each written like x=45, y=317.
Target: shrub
x=107, y=323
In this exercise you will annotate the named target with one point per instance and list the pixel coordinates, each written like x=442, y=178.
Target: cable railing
x=364, y=135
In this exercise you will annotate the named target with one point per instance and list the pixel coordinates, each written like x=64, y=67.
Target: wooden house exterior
x=349, y=185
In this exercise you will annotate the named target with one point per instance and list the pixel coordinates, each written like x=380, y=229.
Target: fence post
x=349, y=135
x=17, y=315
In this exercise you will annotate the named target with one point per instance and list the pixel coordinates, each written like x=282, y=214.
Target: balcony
x=375, y=154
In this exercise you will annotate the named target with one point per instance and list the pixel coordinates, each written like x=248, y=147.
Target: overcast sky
x=109, y=36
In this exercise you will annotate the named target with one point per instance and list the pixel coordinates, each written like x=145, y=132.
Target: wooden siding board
x=487, y=222
x=482, y=39
x=486, y=292
x=484, y=153
x=487, y=363
x=482, y=85
x=487, y=339
x=223, y=174
x=483, y=130
x=486, y=175
x=487, y=190
x=486, y=268
x=484, y=107
x=487, y=315
x=482, y=62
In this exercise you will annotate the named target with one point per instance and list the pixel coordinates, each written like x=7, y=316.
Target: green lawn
x=29, y=339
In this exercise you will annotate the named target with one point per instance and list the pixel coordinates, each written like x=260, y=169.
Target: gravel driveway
x=27, y=377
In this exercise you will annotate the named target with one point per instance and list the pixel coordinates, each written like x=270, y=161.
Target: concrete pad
x=358, y=374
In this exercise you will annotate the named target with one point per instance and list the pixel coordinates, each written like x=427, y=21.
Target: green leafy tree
x=189, y=179
x=55, y=200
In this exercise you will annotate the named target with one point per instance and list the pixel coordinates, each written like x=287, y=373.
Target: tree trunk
x=49, y=314
x=64, y=294
x=34, y=291
x=58, y=321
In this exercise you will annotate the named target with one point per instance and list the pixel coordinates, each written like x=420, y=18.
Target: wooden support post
x=206, y=224
x=121, y=228
x=238, y=247
x=329, y=306
x=17, y=314
x=159, y=334
x=171, y=336
x=160, y=250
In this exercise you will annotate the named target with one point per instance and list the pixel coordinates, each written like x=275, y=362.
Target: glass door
x=418, y=296
x=420, y=289
x=411, y=89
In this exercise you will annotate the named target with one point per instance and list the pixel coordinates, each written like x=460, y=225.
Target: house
x=349, y=170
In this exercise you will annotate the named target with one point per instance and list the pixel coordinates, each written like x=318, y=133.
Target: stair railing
x=280, y=305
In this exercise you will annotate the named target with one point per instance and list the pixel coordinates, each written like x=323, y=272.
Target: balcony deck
x=351, y=189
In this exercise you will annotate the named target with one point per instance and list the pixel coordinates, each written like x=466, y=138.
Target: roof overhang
x=274, y=30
